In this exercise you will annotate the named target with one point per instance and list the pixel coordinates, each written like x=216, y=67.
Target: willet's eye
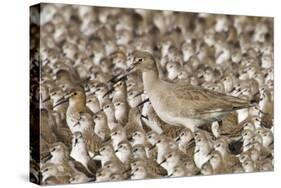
x=140, y=59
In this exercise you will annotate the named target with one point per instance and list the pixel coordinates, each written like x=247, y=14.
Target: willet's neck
x=77, y=103
x=150, y=78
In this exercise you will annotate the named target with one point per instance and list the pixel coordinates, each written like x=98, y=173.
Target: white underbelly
x=180, y=121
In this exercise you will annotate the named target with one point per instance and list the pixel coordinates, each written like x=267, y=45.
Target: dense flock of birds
x=97, y=123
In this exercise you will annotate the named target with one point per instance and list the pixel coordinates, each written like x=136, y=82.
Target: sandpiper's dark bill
x=125, y=94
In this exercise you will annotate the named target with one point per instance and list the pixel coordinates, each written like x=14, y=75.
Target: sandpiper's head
x=49, y=169
x=185, y=136
x=118, y=133
x=177, y=171
x=119, y=105
x=106, y=150
x=244, y=156
x=116, y=177
x=103, y=174
x=77, y=138
x=139, y=151
x=137, y=162
x=248, y=165
x=112, y=165
x=171, y=157
x=216, y=158
x=152, y=137
x=207, y=168
x=139, y=172
x=124, y=147
x=100, y=116
x=58, y=148
x=220, y=145
x=247, y=134
x=119, y=85
x=143, y=61
x=139, y=137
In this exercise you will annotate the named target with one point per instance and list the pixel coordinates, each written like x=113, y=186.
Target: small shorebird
x=183, y=105
x=107, y=154
x=101, y=127
x=124, y=152
x=141, y=172
x=80, y=152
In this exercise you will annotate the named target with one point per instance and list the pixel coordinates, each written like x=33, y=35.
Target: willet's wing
x=199, y=101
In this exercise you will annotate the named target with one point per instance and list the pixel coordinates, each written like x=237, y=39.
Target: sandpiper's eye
x=169, y=156
x=74, y=93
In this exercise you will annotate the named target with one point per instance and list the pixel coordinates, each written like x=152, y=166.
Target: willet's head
x=143, y=61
